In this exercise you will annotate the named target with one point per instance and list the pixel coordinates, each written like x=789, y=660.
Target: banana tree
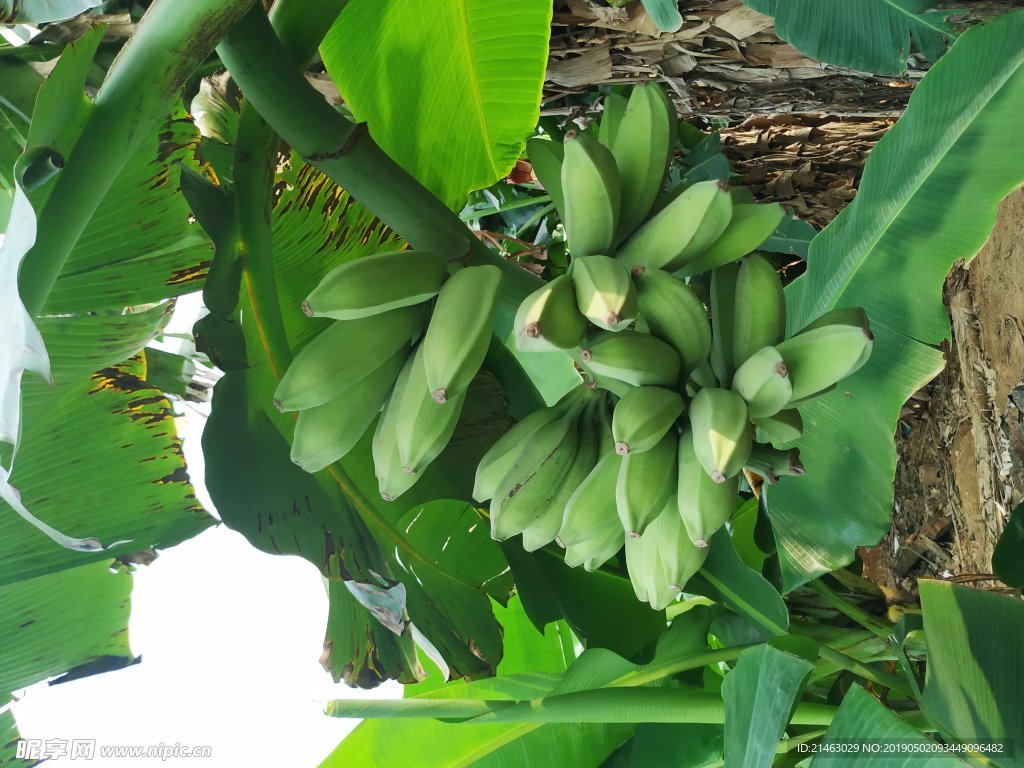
x=254, y=188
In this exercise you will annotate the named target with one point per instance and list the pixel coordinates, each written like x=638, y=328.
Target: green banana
x=424, y=425
x=377, y=283
x=722, y=433
x=749, y=226
x=549, y=318
x=611, y=118
x=723, y=320
x=459, y=331
x=544, y=529
x=345, y=352
x=676, y=315
x=392, y=479
x=325, y=433
x=528, y=487
x=773, y=463
x=633, y=357
x=645, y=482
x=820, y=357
x=704, y=505
x=642, y=148
x=701, y=376
x=854, y=316
x=595, y=552
x=643, y=416
x=501, y=456
x=604, y=291
x=763, y=382
x=591, y=508
x=590, y=185
x=663, y=559
x=546, y=157
x=780, y=428
x=678, y=232
x=760, y=308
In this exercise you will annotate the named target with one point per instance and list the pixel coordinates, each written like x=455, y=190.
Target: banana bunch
x=678, y=326
x=407, y=339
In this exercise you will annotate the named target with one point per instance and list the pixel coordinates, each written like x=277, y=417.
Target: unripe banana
x=854, y=316
x=546, y=157
x=676, y=234
x=377, y=283
x=646, y=480
x=424, y=425
x=763, y=381
x=642, y=150
x=662, y=560
x=702, y=376
x=643, y=416
x=675, y=314
x=820, y=357
x=781, y=428
x=459, y=331
x=392, y=479
x=633, y=357
x=327, y=432
x=501, y=456
x=611, y=118
x=722, y=433
x=549, y=318
x=723, y=320
x=760, y=308
x=345, y=352
x=604, y=291
x=590, y=185
x=590, y=510
x=749, y=226
x=528, y=487
x=595, y=552
x=704, y=505
x=772, y=463
x=545, y=528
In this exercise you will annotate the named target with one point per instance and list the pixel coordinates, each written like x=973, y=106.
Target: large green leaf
x=451, y=94
x=869, y=35
x=53, y=623
x=759, y=694
x=972, y=687
x=532, y=661
x=670, y=745
x=75, y=439
x=1008, y=556
x=862, y=721
x=928, y=197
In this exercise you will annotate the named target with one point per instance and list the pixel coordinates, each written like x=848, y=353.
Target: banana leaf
x=928, y=198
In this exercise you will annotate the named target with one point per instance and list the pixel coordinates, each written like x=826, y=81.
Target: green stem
x=347, y=154
x=652, y=673
x=869, y=671
x=862, y=617
x=171, y=41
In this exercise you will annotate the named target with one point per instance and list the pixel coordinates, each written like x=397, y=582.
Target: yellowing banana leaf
x=759, y=694
x=75, y=438
x=868, y=35
x=451, y=94
x=972, y=687
x=928, y=197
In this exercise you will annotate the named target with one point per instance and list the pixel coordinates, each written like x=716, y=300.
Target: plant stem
x=172, y=39
x=865, y=670
x=863, y=618
x=674, y=667
x=347, y=154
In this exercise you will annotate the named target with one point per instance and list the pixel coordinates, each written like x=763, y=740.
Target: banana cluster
x=407, y=339
x=688, y=383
